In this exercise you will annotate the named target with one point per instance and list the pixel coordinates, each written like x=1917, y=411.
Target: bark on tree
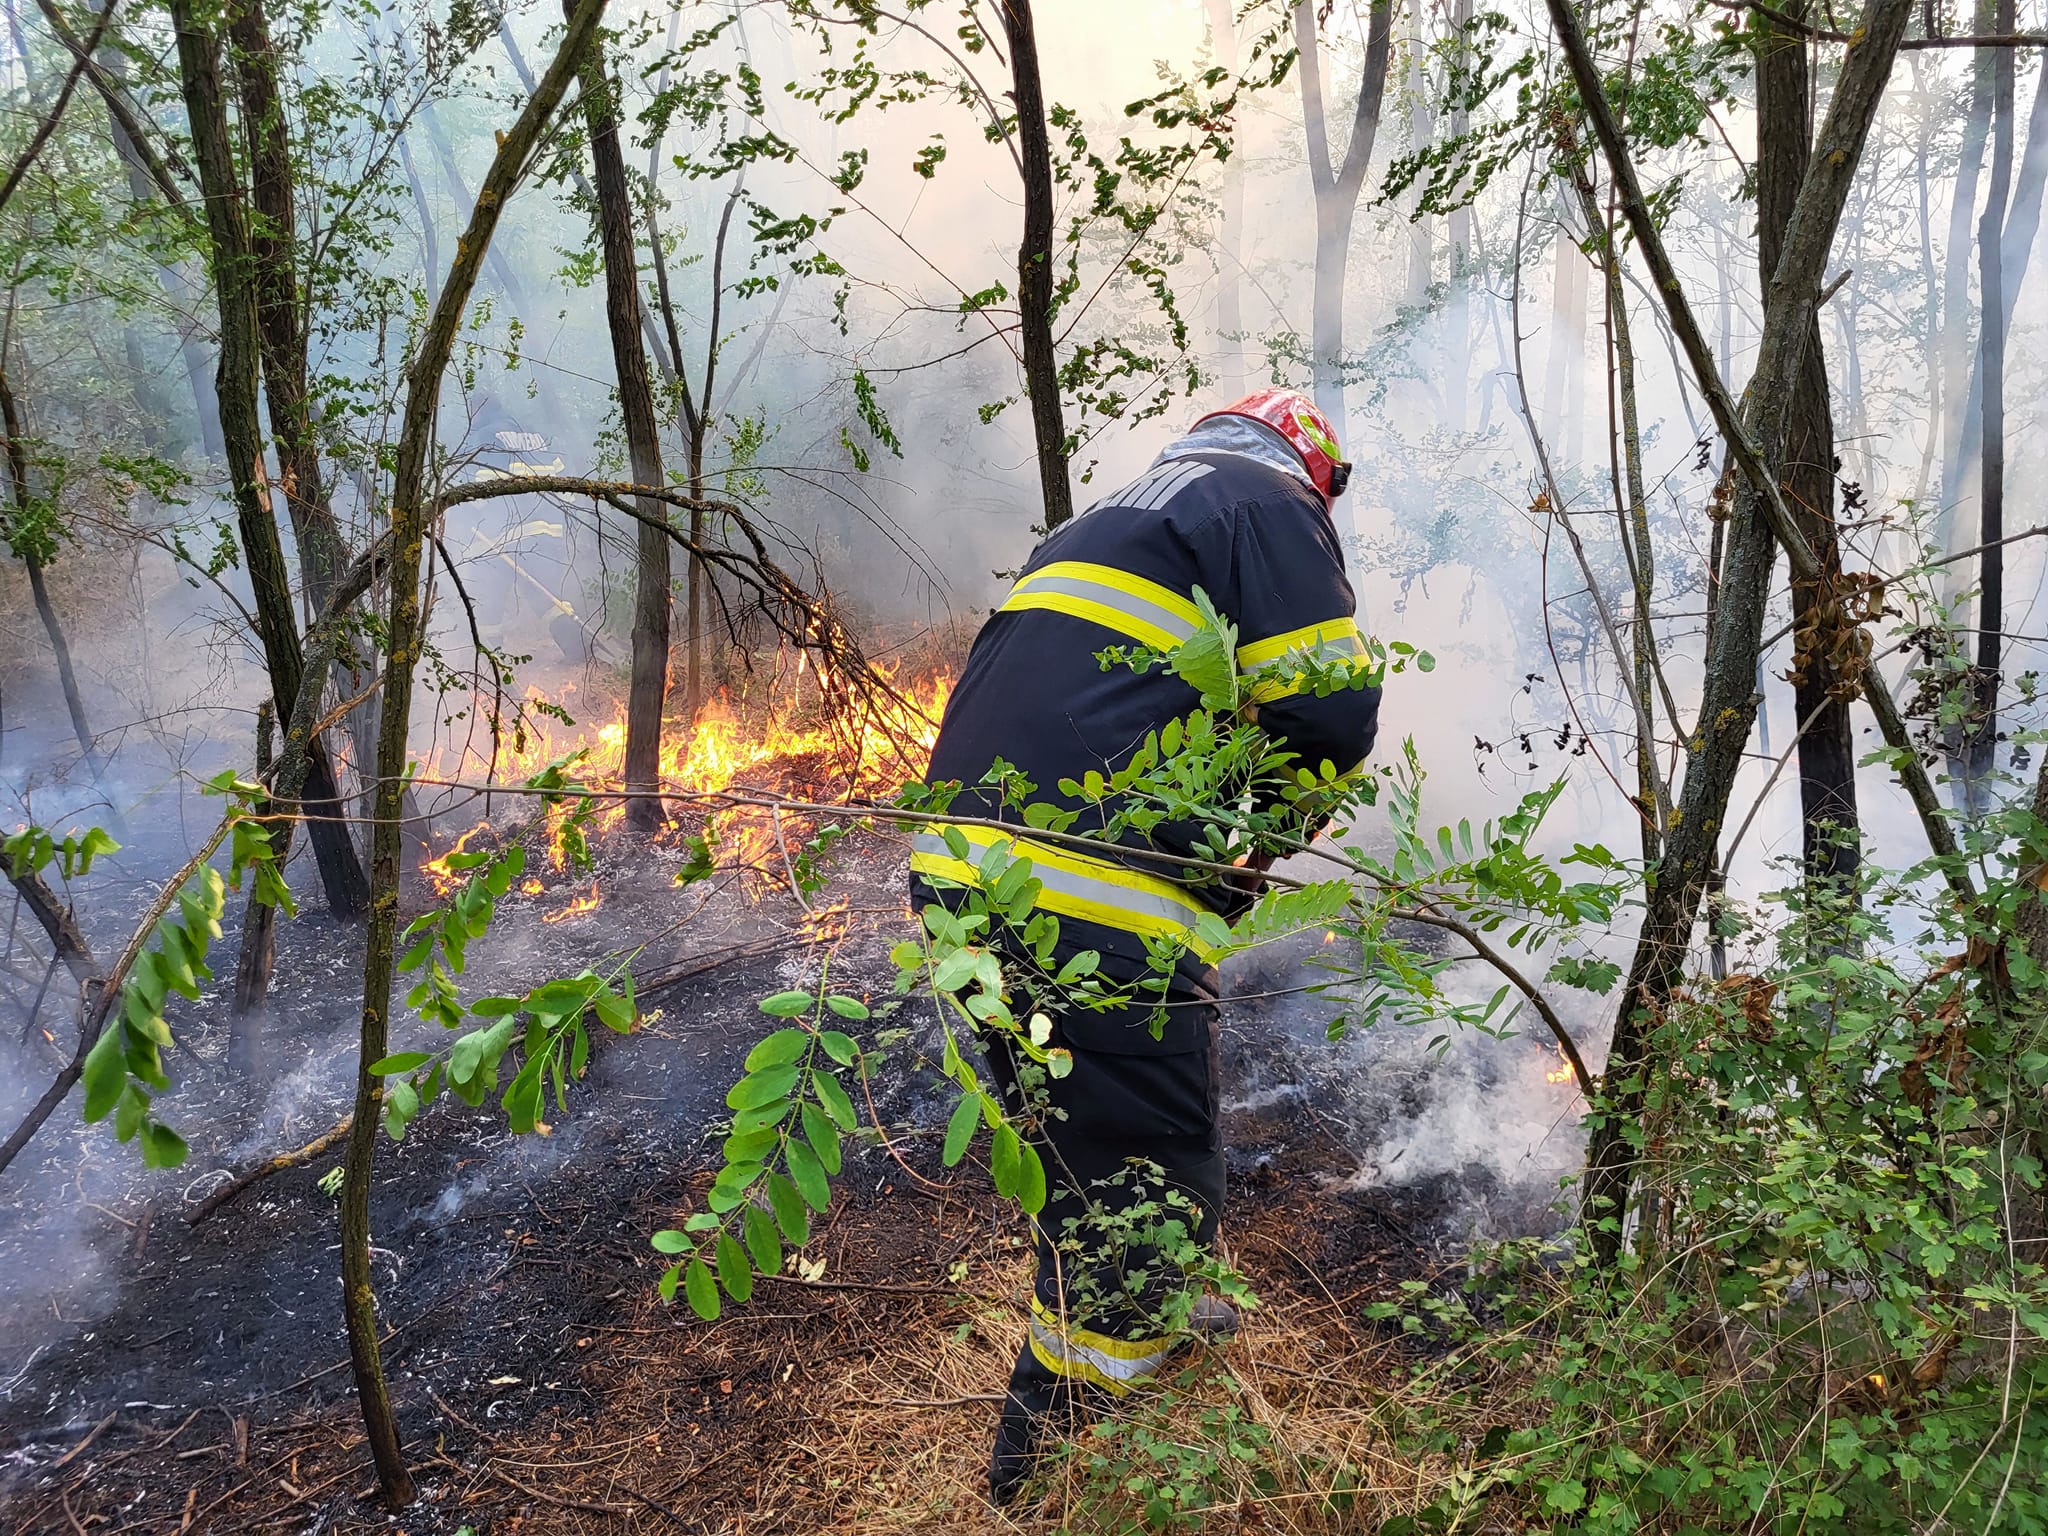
x=1728, y=705
x=53, y=627
x=177, y=282
x=1458, y=296
x=648, y=690
x=1632, y=506
x=1229, y=223
x=1337, y=185
x=1421, y=130
x=1980, y=731
x=1955, y=286
x=403, y=639
x=1821, y=694
x=235, y=388
x=281, y=328
x=1034, y=266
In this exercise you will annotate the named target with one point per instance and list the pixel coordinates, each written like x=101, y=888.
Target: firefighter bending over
x=1240, y=508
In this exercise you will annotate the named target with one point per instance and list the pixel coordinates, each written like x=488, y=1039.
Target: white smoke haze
x=1446, y=550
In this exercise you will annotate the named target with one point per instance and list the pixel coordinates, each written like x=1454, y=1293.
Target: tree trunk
x=235, y=389
x=1727, y=711
x=648, y=690
x=1337, y=187
x=280, y=316
x=1632, y=505
x=403, y=637
x=1034, y=266
x=258, y=950
x=1458, y=301
x=1229, y=224
x=1980, y=732
x=1421, y=130
x=1955, y=287
x=1821, y=695
x=17, y=470
x=177, y=282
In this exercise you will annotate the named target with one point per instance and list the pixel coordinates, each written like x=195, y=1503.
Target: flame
x=437, y=870
x=777, y=735
x=531, y=887
x=1563, y=1074
x=576, y=908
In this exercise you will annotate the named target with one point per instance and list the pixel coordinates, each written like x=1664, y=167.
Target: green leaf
x=823, y=1137
x=847, y=1007
x=105, y=1075
x=733, y=1271
x=960, y=1129
x=162, y=1147
x=700, y=1290
x=761, y=1087
x=787, y=1005
x=808, y=1174
x=778, y=1049
x=789, y=1210
x=404, y=1061
x=1003, y=1159
x=764, y=1245
x=839, y=1047
x=835, y=1099
x=1030, y=1179
x=668, y=1240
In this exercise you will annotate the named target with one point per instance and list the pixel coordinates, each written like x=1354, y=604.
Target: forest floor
x=543, y=1386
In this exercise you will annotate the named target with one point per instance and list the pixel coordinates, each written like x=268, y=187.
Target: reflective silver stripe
x=1164, y=483
x=1105, y=893
x=1124, y=602
x=1137, y=1368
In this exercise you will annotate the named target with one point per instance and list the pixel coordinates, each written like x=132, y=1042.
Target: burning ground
x=165, y=1376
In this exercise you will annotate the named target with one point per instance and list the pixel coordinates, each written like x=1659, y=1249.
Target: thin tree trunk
x=235, y=387
x=1981, y=731
x=1458, y=305
x=259, y=918
x=403, y=637
x=31, y=556
x=648, y=691
x=280, y=318
x=1633, y=508
x=1421, y=131
x=1229, y=223
x=1827, y=752
x=1716, y=752
x=1034, y=266
x=1955, y=287
x=1336, y=186
x=177, y=283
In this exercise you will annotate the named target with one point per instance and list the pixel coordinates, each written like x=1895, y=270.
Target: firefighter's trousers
x=1133, y=1154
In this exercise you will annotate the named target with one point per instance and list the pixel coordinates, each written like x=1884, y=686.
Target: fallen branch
x=242, y=1182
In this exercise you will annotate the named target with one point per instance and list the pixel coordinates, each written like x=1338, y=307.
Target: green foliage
x=1163, y=1466
x=791, y=1116
x=31, y=849
x=125, y=1067
x=544, y=1029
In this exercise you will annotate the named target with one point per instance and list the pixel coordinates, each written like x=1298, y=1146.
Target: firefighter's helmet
x=1307, y=430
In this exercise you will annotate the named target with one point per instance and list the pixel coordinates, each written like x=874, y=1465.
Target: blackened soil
x=540, y=1382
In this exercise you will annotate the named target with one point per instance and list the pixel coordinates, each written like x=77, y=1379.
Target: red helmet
x=1295, y=417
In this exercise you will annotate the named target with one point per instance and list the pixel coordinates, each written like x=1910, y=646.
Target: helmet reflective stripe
x=1307, y=430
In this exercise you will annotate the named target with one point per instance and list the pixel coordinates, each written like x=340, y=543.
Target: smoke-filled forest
x=681, y=690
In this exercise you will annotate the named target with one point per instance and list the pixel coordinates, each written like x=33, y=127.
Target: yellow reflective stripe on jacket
x=1130, y=605
x=1117, y=1365
x=1073, y=884
x=1332, y=640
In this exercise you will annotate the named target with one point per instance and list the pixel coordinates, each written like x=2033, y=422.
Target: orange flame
x=437, y=870
x=1563, y=1074
x=576, y=908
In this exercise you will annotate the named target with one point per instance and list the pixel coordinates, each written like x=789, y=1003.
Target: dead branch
x=55, y=115
x=249, y=1177
x=58, y=924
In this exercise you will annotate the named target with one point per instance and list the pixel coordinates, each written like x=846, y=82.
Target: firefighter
x=1240, y=507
